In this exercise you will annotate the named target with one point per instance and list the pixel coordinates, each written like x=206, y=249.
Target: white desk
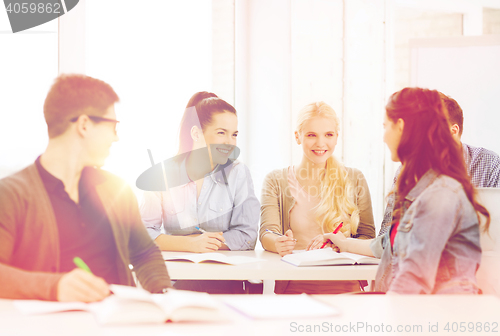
x=269, y=270
x=393, y=310
x=272, y=268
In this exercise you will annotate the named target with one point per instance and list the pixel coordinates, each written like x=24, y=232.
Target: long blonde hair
x=337, y=192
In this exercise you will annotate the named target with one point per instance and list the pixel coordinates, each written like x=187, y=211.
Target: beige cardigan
x=277, y=202
x=29, y=241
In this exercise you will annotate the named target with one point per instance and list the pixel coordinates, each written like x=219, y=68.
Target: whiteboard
x=468, y=70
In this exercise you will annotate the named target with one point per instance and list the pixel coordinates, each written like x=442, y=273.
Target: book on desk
x=328, y=257
x=132, y=305
x=212, y=257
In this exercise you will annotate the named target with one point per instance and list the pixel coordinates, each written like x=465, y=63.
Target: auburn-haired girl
x=433, y=244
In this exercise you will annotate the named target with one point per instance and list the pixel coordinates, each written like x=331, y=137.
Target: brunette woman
x=210, y=203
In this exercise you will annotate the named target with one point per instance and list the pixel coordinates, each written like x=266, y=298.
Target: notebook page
x=360, y=257
x=35, y=307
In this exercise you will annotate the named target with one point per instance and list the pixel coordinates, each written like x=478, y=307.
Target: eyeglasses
x=99, y=119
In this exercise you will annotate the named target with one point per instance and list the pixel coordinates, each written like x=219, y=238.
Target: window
x=156, y=58
x=28, y=66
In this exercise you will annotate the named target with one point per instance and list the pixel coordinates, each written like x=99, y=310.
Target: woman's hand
x=317, y=242
x=206, y=242
x=285, y=244
x=338, y=240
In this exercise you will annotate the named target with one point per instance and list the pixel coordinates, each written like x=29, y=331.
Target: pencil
x=278, y=234
x=81, y=264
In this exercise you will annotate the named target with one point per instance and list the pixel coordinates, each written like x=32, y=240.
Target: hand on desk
x=206, y=242
x=79, y=285
x=285, y=244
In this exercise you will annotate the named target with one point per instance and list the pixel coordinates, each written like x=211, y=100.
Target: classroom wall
x=491, y=21
x=304, y=51
x=465, y=68
x=223, y=45
x=414, y=23
x=268, y=57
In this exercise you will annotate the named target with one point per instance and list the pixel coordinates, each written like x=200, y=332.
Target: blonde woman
x=302, y=202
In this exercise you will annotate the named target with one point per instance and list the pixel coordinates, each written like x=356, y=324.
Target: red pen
x=334, y=232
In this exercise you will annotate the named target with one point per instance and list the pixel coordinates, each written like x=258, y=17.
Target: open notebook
x=130, y=305
x=326, y=257
x=217, y=258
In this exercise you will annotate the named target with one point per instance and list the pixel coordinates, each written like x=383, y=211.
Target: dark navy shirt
x=84, y=228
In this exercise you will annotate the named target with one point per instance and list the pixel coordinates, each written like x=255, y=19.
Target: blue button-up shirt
x=437, y=247
x=226, y=203
x=483, y=166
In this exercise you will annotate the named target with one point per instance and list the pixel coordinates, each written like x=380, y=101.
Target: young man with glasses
x=63, y=206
